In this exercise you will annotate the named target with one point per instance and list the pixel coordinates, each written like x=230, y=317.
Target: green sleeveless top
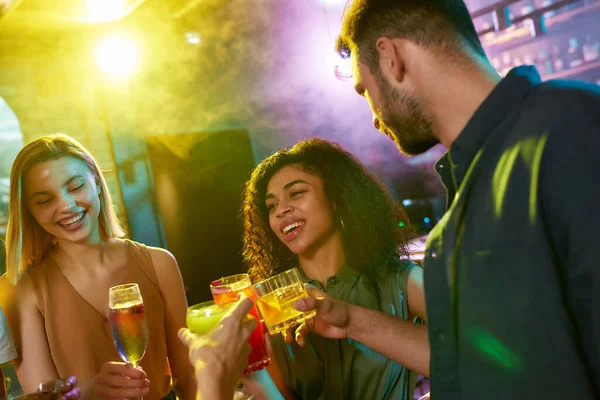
x=331, y=369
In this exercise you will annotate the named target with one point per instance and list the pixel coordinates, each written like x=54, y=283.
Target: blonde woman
x=64, y=252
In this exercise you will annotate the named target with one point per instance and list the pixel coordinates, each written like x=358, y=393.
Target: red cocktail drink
x=225, y=290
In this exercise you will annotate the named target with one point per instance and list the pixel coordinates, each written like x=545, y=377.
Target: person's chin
x=413, y=149
x=296, y=247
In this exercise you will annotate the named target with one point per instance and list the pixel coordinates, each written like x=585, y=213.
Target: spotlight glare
x=192, y=37
x=117, y=56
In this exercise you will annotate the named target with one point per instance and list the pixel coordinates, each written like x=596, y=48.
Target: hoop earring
x=342, y=224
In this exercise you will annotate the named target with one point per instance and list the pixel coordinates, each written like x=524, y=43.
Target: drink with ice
x=276, y=301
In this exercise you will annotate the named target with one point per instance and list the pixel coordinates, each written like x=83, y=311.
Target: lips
x=71, y=221
x=291, y=228
x=290, y=224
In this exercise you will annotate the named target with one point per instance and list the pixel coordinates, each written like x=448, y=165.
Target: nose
x=375, y=122
x=284, y=209
x=66, y=203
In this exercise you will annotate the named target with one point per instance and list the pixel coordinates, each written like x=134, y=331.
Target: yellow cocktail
x=203, y=317
x=276, y=301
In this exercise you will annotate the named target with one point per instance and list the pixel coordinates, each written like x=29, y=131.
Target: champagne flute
x=128, y=322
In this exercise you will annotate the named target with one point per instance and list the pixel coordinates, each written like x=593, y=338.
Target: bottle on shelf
x=528, y=59
x=507, y=63
x=543, y=63
x=517, y=62
x=574, y=55
x=511, y=17
x=591, y=48
x=558, y=63
x=486, y=24
x=526, y=8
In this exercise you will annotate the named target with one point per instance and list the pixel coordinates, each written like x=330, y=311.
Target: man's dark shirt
x=512, y=275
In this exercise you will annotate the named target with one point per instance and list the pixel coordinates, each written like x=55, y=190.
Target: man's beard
x=402, y=118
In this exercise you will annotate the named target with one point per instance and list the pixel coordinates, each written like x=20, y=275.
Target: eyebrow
x=286, y=187
x=44, y=192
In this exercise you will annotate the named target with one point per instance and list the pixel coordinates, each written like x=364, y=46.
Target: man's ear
x=391, y=58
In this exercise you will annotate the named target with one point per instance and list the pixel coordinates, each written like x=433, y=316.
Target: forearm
x=399, y=340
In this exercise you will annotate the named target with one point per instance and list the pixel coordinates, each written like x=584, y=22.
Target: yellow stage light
x=117, y=56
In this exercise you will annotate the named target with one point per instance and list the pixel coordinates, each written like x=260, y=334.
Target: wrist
x=88, y=389
x=353, y=327
x=212, y=384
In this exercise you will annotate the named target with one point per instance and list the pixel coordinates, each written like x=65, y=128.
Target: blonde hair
x=27, y=243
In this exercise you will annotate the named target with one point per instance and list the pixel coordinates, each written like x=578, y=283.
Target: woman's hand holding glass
x=331, y=320
x=220, y=356
x=69, y=389
x=122, y=381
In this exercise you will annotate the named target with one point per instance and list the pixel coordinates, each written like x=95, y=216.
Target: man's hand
x=220, y=356
x=331, y=321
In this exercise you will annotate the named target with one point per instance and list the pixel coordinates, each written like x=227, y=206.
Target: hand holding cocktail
x=276, y=298
x=219, y=353
x=330, y=317
x=225, y=291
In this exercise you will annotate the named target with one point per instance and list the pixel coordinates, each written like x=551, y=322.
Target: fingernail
x=146, y=382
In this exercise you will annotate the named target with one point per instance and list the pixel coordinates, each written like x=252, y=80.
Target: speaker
x=199, y=178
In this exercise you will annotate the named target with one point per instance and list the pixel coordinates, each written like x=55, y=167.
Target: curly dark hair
x=376, y=229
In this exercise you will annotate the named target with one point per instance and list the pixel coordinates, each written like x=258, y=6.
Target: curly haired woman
x=316, y=207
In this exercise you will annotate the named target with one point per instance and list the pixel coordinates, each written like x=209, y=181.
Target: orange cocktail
x=225, y=290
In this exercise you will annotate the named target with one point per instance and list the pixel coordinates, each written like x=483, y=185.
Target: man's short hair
x=444, y=25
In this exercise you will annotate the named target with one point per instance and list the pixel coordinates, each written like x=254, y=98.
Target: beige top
x=80, y=337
